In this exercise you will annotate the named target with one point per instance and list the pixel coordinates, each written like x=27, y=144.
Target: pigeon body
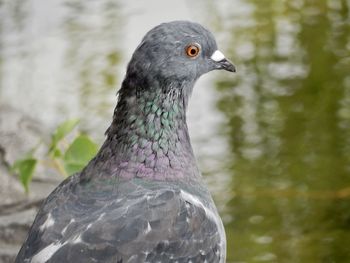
x=142, y=198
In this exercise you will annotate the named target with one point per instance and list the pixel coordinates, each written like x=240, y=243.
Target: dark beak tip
x=233, y=69
x=227, y=65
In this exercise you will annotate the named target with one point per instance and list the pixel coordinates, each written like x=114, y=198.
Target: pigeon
x=142, y=197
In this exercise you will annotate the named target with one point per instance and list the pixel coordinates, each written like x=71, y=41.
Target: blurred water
x=273, y=141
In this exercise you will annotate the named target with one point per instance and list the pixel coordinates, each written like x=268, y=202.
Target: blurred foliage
x=79, y=153
x=66, y=156
x=25, y=169
x=288, y=128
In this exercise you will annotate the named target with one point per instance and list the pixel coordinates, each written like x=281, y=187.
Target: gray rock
x=18, y=134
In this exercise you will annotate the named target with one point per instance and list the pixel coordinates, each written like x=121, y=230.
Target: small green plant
x=64, y=156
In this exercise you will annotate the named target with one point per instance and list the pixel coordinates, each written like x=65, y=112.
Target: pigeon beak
x=221, y=62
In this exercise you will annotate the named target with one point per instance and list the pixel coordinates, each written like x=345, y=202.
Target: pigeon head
x=149, y=135
x=175, y=52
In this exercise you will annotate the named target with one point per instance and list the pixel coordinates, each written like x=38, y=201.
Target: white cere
x=217, y=56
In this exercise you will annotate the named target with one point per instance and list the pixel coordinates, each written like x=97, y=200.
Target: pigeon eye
x=192, y=50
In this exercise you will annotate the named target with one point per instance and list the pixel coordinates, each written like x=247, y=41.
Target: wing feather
x=132, y=221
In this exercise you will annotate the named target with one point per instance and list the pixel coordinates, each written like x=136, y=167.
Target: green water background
x=273, y=140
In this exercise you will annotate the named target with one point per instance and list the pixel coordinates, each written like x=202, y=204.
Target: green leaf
x=56, y=153
x=62, y=130
x=25, y=169
x=79, y=153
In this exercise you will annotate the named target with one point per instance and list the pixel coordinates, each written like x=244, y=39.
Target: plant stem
x=60, y=167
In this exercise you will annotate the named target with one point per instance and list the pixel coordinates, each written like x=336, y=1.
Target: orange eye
x=192, y=50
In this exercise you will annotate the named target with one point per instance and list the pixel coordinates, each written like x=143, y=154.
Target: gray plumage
x=141, y=199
